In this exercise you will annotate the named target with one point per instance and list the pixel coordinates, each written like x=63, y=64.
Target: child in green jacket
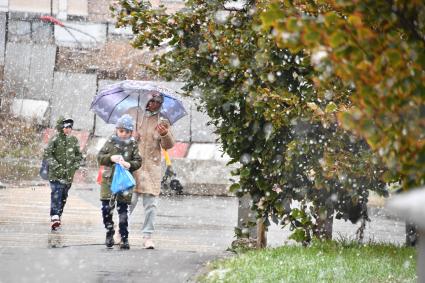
x=63, y=156
x=121, y=148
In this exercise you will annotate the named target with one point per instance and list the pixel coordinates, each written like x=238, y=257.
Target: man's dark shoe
x=109, y=241
x=124, y=245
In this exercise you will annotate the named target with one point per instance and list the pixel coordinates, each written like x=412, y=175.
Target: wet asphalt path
x=191, y=230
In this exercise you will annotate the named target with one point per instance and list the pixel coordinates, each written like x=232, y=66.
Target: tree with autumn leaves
x=270, y=115
x=377, y=49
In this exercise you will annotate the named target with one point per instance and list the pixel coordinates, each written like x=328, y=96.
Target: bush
x=18, y=138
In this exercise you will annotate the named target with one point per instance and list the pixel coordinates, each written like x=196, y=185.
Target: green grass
x=321, y=262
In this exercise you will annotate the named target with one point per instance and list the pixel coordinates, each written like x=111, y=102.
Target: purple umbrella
x=114, y=100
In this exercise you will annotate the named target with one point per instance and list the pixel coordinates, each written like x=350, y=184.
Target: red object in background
x=99, y=175
x=52, y=20
x=179, y=150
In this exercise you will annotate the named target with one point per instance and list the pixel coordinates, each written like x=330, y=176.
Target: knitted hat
x=125, y=122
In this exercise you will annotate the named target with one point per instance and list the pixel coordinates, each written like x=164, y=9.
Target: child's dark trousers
x=107, y=213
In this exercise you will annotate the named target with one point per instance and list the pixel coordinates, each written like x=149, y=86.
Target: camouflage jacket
x=129, y=151
x=63, y=156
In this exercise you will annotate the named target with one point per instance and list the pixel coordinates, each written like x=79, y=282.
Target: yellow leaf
x=363, y=65
x=355, y=20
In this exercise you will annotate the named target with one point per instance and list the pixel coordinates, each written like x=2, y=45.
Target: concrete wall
x=80, y=35
x=34, y=31
x=72, y=96
x=203, y=177
x=42, y=33
x=19, y=31
x=201, y=132
x=30, y=109
x=29, y=69
x=41, y=68
x=2, y=37
x=16, y=69
x=4, y=5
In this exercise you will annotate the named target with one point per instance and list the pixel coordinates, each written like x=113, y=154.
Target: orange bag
x=99, y=175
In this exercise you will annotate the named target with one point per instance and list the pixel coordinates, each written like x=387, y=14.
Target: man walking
x=152, y=133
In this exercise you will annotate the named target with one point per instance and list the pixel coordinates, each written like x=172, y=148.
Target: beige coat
x=148, y=177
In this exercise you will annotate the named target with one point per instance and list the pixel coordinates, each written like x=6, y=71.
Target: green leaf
x=337, y=39
x=262, y=184
x=245, y=172
x=331, y=18
x=311, y=36
x=298, y=235
x=331, y=107
x=394, y=57
x=273, y=13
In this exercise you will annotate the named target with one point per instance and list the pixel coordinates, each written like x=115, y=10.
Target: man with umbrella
x=155, y=109
x=153, y=133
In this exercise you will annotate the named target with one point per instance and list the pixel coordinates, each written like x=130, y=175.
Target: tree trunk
x=324, y=224
x=261, y=234
x=245, y=217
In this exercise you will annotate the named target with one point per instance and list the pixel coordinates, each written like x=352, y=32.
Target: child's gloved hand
x=125, y=164
x=116, y=158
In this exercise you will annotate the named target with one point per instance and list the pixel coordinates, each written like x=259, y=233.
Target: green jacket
x=129, y=151
x=63, y=156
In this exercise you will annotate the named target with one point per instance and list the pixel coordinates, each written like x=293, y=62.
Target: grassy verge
x=321, y=262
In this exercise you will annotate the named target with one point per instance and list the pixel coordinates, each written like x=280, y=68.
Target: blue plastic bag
x=122, y=180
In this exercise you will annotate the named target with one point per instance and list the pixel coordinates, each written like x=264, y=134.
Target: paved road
x=190, y=232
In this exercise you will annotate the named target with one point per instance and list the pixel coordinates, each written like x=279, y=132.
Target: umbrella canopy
x=114, y=100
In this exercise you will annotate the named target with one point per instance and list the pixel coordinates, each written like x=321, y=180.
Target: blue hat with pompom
x=125, y=122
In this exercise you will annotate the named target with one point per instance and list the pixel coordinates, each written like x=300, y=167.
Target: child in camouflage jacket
x=121, y=148
x=63, y=157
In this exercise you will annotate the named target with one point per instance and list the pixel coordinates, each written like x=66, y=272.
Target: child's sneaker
x=124, y=245
x=55, y=222
x=109, y=241
x=148, y=243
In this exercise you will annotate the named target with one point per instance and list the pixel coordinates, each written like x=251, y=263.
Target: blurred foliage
x=268, y=114
x=376, y=48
